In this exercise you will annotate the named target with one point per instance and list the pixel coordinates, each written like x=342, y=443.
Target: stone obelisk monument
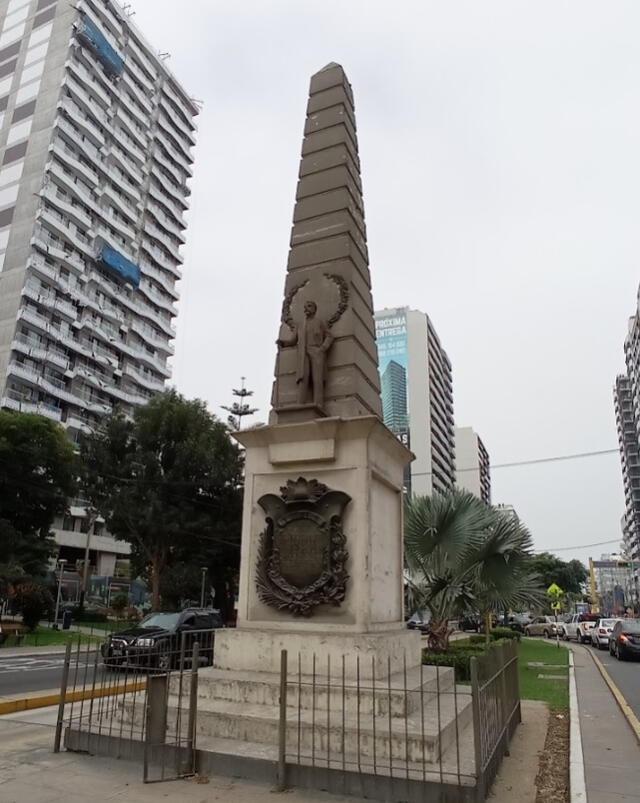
x=322, y=561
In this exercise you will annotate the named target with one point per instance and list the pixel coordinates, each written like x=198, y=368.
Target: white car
x=601, y=633
x=579, y=627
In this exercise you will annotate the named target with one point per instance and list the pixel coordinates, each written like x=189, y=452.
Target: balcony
x=34, y=348
x=47, y=383
x=82, y=121
x=166, y=282
x=178, y=130
x=163, y=258
x=151, y=230
x=84, y=100
x=160, y=299
x=150, y=382
x=132, y=127
x=68, y=180
x=166, y=222
x=134, y=87
x=174, y=171
x=61, y=225
x=183, y=163
x=152, y=337
x=48, y=299
x=139, y=74
x=156, y=191
x=78, y=140
x=82, y=75
x=65, y=204
x=122, y=226
x=13, y=401
x=71, y=159
x=123, y=183
x=124, y=205
x=169, y=188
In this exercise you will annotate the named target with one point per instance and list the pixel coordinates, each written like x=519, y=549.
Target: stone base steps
x=401, y=693
x=422, y=736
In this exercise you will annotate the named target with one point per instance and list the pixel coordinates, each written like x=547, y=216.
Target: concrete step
x=401, y=694
x=422, y=736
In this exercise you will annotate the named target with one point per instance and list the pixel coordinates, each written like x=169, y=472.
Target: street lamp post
x=61, y=562
x=204, y=576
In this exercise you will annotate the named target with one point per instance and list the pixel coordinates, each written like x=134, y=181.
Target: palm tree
x=463, y=554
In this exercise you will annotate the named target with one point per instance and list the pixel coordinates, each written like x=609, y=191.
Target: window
x=15, y=153
x=8, y=68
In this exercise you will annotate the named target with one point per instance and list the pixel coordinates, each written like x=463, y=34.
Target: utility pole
x=240, y=408
x=61, y=562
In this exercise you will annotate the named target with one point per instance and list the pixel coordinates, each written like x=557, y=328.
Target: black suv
x=160, y=638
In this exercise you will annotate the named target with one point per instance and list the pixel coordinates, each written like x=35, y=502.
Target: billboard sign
x=391, y=339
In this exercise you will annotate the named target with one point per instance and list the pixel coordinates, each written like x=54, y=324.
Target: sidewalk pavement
x=31, y=773
x=611, y=750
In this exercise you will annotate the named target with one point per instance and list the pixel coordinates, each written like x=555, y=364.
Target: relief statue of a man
x=313, y=339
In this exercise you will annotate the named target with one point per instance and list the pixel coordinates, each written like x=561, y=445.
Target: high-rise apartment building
x=626, y=396
x=417, y=396
x=627, y=427
x=473, y=468
x=95, y=155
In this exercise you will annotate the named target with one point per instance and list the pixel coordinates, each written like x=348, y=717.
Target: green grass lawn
x=46, y=637
x=554, y=692
x=112, y=626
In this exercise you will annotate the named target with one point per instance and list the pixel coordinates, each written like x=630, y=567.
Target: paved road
x=42, y=672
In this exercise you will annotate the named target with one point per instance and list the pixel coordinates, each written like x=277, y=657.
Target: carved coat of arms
x=302, y=556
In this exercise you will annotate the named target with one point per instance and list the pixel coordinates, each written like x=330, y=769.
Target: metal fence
x=496, y=708
x=135, y=701
x=354, y=726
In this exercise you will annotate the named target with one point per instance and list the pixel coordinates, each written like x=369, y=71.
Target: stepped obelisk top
x=327, y=363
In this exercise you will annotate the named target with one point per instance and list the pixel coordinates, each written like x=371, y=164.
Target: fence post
x=477, y=735
x=504, y=658
x=63, y=697
x=282, y=725
x=193, y=705
x=516, y=677
x=155, y=717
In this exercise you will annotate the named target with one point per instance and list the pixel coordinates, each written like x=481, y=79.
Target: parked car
x=625, y=639
x=579, y=627
x=601, y=633
x=468, y=621
x=541, y=626
x=518, y=621
x=419, y=621
x=157, y=640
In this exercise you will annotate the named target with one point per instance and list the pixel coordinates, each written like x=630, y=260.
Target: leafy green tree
x=464, y=555
x=569, y=575
x=119, y=603
x=34, y=602
x=168, y=482
x=38, y=470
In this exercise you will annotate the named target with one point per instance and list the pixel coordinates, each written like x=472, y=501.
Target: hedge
x=497, y=633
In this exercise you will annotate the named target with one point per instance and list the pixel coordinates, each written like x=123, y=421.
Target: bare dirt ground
x=552, y=780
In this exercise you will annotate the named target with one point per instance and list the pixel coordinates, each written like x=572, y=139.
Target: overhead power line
x=532, y=462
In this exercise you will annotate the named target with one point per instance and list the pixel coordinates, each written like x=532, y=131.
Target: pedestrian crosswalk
x=30, y=664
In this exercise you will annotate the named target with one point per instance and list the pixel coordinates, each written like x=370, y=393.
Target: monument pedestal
x=358, y=457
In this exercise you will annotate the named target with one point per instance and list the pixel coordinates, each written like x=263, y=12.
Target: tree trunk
x=156, y=569
x=439, y=632
x=487, y=626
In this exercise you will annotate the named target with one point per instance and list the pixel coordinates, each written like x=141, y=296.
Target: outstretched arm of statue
x=288, y=341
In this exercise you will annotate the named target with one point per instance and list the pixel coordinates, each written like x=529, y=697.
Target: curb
x=577, y=784
x=53, y=698
x=631, y=718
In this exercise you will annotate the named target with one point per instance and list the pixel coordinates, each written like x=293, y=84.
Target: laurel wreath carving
x=329, y=588
x=343, y=303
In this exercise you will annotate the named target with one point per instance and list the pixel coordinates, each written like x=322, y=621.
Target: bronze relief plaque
x=302, y=555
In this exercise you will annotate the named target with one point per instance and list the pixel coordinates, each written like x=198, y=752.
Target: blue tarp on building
x=111, y=59
x=119, y=264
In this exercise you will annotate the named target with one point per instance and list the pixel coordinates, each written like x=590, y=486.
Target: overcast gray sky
x=501, y=170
